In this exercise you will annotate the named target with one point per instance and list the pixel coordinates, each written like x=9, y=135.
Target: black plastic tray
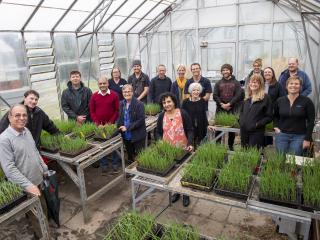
x=157, y=173
x=228, y=193
x=13, y=203
x=180, y=159
x=72, y=155
x=185, y=183
x=283, y=203
x=49, y=150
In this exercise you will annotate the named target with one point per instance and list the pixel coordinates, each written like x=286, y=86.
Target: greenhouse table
x=151, y=124
x=86, y=159
x=32, y=204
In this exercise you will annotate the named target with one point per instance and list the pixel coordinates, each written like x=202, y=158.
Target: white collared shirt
x=108, y=92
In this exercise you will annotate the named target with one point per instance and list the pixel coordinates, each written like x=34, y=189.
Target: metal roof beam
x=31, y=16
x=117, y=27
x=63, y=16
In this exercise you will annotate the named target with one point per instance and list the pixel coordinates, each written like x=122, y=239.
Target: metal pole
x=63, y=16
x=32, y=14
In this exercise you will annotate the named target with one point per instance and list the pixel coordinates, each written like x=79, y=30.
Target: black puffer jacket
x=71, y=106
x=38, y=120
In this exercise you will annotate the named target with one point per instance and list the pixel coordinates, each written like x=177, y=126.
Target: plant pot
x=229, y=193
x=156, y=172
x=182, y=157
x=55, y=150
x=74, y=154
x=267, y=199
x=13, y=203
x=187, y=183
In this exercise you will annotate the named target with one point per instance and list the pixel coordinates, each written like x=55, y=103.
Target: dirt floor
x=213, y=220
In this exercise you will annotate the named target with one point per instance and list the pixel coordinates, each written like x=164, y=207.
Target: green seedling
x=9, y=192
x=69, y=145
x=152, y=108
x=65, y=126
x=226, y=119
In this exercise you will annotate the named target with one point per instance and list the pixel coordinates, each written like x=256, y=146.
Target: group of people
x=183, y=120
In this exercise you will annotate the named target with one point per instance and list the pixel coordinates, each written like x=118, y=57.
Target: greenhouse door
x=214, y=56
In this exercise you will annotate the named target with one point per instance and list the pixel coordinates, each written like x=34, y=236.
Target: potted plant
x=49, y=143
x=200, y=173
x=106, y=132
x=152, y=109
x=10, y=196
x=170, y=151
x=71, y=147
x=65, y=127
x=85, y=131
x=226, y=120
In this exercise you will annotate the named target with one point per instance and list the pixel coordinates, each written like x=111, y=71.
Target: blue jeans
x=115, y=160
x=289, y=143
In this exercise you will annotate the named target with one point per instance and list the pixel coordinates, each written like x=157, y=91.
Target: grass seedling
x=226, y=119
x=106, y=131
x=48, y=141
x=311, y=179
x=85, y=130
x=9, y=192
x=167, y=150
x=2, y=175
x=152, y=160
x=152, y=108
x=65, y=126
x=75, y=145
x=269, y=127
x=175, y=231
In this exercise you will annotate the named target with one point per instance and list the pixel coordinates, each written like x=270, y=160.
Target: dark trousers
x=231, y=137
x=252, y=139
x=133, y=148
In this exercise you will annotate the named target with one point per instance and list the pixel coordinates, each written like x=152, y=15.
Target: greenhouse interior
x=193, y=118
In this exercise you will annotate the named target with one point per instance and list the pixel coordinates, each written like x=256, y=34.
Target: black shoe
x=231, y=148
x=185, y=200
x=175, y=197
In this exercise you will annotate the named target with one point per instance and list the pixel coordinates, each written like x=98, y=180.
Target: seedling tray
x=186, y=183
x=72, y=155
x=50, y=150
x=13, y=203
x=101, y=139
x=283, y=203
x=233, y=194
x=155, y=172
x=307, y=207
x=180, y=159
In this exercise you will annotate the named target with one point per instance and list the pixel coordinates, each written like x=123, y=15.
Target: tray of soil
x=65, y=127
x=49, y=150
x=227, y=120
x=85, y=131
x=284, y=203
x=105, y=133
x=239, y=194
x=161, y=173
x=11, y=195
x=152, y=109
x=189, y=184
x=49, y=143
x=73, y=147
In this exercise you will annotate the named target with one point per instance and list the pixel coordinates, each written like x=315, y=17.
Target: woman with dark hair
x=255, y=113
x=174, y=126
x=116, y=82
x=274, y=90
x=293, y=121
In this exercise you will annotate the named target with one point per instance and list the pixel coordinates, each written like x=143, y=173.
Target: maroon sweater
x=104, y=109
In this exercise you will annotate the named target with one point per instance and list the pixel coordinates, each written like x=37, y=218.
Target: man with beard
x=228, y=96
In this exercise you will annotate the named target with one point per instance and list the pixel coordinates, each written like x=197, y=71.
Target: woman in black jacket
x=174, y=126
x=132, y=123
x=255, y=113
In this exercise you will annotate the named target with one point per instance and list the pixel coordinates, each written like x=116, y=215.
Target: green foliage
x=152, y=108
x=65, y=126
x=202, y=169
x=2, y=175
x=106, y=131
x=226, y=119
x=49, y=141
x=175, y=231
x=167, y=150
x=269, y=127
x=70, y=145
x=85, y=130
x=8, y=192
x=236, y=175
x=132, y=226
x=311, y=180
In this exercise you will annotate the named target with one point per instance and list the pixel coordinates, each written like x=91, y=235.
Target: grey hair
x=16, y=105
x=127, y=86
x=193, y=86
x=104, y=78
x=182, y=66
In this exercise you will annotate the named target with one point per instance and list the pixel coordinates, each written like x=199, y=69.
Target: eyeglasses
x=20, y=116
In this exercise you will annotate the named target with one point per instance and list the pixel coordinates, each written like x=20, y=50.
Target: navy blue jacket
x=137, y=119
x=306, y=83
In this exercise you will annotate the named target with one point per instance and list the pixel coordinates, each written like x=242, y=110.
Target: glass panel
x=216, y=16
x=39, y=52
x=188, y=4
x=213, y=3
x=120, y=45
x=44, y=19
x=154, y=13
x=13, y=71
x=42, y=68
x=94, y=74
x=147, y=6
x=221, y=34
x=140, y=26
x=253, y=32
x=48, y=100
x=285, y=14
x=57, y=4
x=9, y=13
x=112, y=23
x=91, y=50
x=40, y=60
x=64, y=71
x=115, y=5
x=130, y=22
x=85, y=5
x=251, y=13
x=42, y=76
x=65, y=47
x=128, y=7
x=180, y=21
x=72, y=21
x=29, y=2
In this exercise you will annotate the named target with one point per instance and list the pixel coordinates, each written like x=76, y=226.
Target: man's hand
x=226, y=106
x=81, y=119
x=306, y=144
x=276, y=130
x=33, y=189
x=123, y=128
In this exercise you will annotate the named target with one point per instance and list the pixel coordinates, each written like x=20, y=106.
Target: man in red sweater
x=104, y=109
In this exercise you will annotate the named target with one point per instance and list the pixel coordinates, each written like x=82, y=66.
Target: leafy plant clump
x=9, y=192
x=48, y=141
x=226, y=119
x=177, y=231
x=132, y=226
x=65, y=126
x=2, y=175
x=75, y=145
x=152, y=108
x=269, y=127
x=311, y=179
x=106, y=131
x=152, y=160
x=166, y=149
x=85, y=130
